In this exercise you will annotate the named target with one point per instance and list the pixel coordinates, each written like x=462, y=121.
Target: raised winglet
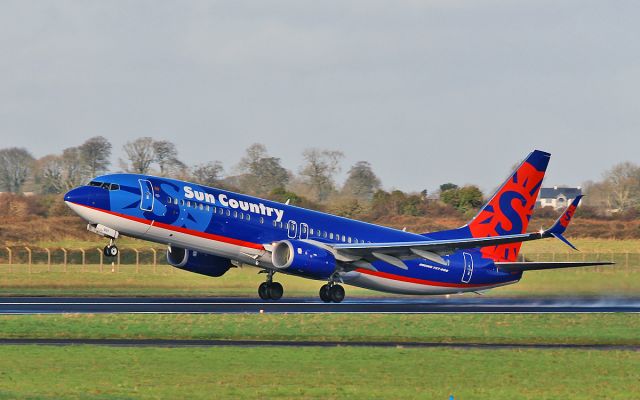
x=561, y=223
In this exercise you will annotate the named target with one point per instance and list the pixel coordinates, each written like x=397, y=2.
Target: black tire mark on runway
x=281, y=343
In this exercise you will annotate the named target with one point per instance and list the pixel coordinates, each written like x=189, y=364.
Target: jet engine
x=303, y=258
x=200, y=263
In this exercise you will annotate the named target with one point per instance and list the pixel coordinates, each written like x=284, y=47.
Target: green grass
x=584, y=245
x=459, y=328
x=166, y=281
x=620, y=280
x=90, y=372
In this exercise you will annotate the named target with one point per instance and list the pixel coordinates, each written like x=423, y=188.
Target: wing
x=361, y=254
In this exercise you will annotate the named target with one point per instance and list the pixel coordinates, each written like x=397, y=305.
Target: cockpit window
x=105, y=185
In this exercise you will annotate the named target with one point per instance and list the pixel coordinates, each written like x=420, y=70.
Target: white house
x=557, y=197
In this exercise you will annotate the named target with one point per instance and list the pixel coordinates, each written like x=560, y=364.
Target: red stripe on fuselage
x=187, y=231
x=416, y=280
x=257, y=246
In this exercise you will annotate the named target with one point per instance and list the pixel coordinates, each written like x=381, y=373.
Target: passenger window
x=311, y=231
x=207, y=208
x=188, y=203
x=228, y=213
x=241, y=216
x=280, y=224
x=235, y=214
x=182, y=202
x=201, y=207
x=261, y=220
x=248, y=217
x=344, y=238
x=275, y=224
x=175, y=201
x=324, y=234
x=349, y=239
x=331, y=236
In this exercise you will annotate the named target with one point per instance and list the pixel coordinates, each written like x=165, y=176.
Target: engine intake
x=200, y=263
x=303, y=258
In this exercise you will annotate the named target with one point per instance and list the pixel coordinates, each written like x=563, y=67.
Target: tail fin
x=509, y=210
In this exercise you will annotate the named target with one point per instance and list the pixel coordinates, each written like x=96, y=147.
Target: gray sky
x=427, y=91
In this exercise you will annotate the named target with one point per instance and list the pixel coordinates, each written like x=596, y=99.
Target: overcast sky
x=427, y=91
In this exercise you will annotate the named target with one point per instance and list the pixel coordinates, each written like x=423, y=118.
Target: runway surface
x=453, y=305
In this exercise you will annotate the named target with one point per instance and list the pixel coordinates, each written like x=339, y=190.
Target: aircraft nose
x=77, y=195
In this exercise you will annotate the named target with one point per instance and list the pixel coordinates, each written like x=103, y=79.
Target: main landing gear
x=331, y=292
x=270, y=290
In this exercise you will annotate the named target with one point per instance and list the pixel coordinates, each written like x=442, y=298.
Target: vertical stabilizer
x=509, y=210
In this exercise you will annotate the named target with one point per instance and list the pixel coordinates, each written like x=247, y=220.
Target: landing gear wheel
x=263, y=291
x=324, y=293
x=110, y=250
x=275, y=291
x=336, y=293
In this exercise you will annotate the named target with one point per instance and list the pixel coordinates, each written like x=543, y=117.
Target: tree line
x=259, y=173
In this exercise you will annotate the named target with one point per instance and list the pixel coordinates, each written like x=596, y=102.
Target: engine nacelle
x=303, y=258
x=200, y=263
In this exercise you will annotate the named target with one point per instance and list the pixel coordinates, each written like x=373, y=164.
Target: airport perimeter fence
x=59, y=259
x=33, y=259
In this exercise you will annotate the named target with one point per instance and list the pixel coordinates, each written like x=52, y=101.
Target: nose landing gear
x=111, y=250
x=270, y=290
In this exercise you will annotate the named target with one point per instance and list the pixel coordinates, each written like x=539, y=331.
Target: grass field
x=166, y=281
x=437, y=328
x=90, y=372
x=93, y=372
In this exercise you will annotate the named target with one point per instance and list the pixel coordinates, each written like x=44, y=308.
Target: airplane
x=209, y=230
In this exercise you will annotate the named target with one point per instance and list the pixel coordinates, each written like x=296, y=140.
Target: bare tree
x=166, y=156
x=623, y=186
x=362, y=182
x=95, y=154
x=261, y=173
x=49, y=174
x=140, y=155
x=16, y=165
x=319, y=170
x=73, y=173
x=208, y=174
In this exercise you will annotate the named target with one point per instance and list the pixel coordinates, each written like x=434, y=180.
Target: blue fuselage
x=243, y=228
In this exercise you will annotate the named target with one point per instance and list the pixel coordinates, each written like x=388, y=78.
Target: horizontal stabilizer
x=534, y=266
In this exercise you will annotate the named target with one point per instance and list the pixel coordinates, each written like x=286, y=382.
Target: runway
x=396, y=305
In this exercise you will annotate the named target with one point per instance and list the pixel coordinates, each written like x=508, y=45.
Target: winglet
x=561, y=223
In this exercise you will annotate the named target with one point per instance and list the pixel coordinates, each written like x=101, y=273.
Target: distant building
x=557, y=197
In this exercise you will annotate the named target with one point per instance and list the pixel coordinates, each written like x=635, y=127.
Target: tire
x=336, y=293
x=105, y=251
x=113, y=251
x=263, y=291
x=324, y=293
x=275, y=291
